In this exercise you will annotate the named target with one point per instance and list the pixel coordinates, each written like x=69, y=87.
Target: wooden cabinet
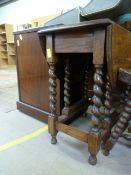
x=7, y=54
x=32, y=71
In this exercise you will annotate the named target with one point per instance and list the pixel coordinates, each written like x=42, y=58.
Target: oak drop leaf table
x=110, y=46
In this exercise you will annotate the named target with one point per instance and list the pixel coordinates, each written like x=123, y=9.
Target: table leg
x=107, y=112
x=120, y=126
x=52, y=90
x=94, y=135
x=65, y=111
x=85, y=94
x=86, y=83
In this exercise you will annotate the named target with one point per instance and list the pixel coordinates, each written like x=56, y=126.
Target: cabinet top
x=36, y=29
x=27, y=30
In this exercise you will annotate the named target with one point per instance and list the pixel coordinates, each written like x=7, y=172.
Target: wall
x=22, y=11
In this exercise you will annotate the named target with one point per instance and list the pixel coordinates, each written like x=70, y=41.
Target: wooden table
x=107, y=47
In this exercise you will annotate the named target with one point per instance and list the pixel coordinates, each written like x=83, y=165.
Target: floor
x=24, y=153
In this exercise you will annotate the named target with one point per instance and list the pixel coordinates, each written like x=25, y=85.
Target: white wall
x=22, y=11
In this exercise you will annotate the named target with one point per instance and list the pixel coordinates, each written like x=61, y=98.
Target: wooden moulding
x=33, y=111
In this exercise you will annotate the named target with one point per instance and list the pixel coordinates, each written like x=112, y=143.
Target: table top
x=89, y=37
x=87, y=24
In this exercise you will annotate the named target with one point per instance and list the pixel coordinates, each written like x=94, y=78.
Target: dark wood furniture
x=32, y=69
x=125, y=116
x=32, y=72
x=106, y=46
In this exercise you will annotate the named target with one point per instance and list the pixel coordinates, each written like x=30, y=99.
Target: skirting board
x=33, y=111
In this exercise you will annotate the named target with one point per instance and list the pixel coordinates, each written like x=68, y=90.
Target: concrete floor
x=37, y=156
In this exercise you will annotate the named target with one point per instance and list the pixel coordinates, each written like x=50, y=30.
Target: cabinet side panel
x=33, y=72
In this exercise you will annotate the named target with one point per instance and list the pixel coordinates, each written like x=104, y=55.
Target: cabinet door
x=33, y=72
